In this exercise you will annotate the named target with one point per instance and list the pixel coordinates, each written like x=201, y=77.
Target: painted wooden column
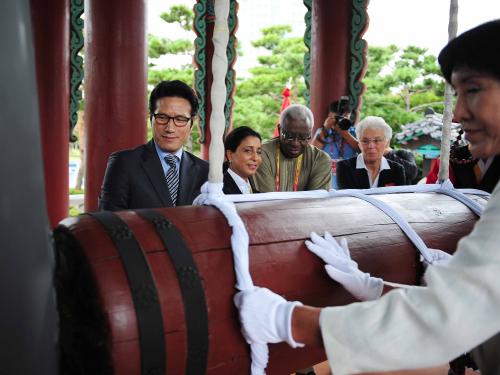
x=115, y=88
x=337, y=53
x=204, y=27
x=51, y=41
x=204, y=50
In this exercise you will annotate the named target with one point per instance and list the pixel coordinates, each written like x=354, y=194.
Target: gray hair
x=373, y=122
x=297, y=112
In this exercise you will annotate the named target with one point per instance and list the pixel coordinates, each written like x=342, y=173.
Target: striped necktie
x=172, y=178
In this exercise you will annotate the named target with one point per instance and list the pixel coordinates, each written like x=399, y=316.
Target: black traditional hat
x=477, y=49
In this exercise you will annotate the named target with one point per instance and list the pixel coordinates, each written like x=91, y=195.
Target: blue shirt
x=164, y=165
x=336, y=146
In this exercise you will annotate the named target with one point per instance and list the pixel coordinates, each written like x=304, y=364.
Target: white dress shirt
x=243, y=185
x=360, y=164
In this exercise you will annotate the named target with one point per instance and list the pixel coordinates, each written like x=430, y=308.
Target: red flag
x=285, y=103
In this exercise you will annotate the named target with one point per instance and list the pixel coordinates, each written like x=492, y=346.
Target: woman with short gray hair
x=373, y=122
x=370, y=168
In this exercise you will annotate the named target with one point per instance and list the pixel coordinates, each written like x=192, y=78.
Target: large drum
x=151, y=292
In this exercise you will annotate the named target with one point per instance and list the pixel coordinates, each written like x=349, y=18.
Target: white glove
x=341, y=268
x=438, y=257
x=266, y=317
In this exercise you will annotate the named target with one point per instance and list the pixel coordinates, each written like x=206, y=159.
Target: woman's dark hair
x=476, y=49
x=237, y=135
x=174, y=88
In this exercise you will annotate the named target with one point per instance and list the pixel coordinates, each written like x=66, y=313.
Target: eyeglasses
x=375, y=141
x=163, y=119
x=290, y=137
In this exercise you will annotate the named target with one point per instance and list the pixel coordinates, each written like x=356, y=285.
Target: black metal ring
x=193, y=295
x=143, y=290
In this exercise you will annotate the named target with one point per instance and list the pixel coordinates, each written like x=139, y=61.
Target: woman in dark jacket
x=370, y=168
x=243, y=153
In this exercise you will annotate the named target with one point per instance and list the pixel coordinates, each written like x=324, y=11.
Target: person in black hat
x=414, y=327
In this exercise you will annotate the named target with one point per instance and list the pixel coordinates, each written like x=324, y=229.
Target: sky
x=423, y=23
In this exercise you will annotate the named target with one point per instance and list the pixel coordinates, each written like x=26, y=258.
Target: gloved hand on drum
x=266, y=317
x=341, y=268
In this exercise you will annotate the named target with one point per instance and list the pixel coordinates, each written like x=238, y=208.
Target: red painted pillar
x=51, y=40
x=115, y=85
x=330, y=55
x=209, y=54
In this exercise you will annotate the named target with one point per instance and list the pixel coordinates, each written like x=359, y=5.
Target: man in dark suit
x=159, y=173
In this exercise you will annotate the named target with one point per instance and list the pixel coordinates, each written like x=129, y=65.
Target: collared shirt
x=243, y=185
x=360, y=164
x=164, y=165
x=484, y=165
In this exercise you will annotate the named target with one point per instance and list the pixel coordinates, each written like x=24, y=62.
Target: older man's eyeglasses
x=163, y=119
x=376, y=141
x=290, y=137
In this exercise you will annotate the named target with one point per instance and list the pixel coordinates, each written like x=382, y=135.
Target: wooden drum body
x=98, y=321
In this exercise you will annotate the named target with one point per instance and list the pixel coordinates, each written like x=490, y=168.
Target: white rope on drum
x=211, y=194
x=444, y=188
x=212, y=191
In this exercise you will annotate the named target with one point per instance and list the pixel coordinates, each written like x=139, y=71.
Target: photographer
x=337, y=136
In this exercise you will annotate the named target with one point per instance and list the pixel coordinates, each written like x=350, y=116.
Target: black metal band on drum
x=143, y=290
x=193, y=295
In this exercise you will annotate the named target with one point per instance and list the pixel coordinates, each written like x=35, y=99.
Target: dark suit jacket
x=230, y=186
x=465, y=176
x=407, y=160
x=135, y=179
x=348, y=177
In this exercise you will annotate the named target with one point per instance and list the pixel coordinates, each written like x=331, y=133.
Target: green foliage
x=377, y=59
x=161, y=46
x=186, y=74
x=401, y=84
x=272, y=36
x=73, y=191
x=158, y=47
x=250, y=112
x=257, y=100
x=181, y=15
x=73, y=211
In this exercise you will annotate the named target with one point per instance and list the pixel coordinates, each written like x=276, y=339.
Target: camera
x=343, y=107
